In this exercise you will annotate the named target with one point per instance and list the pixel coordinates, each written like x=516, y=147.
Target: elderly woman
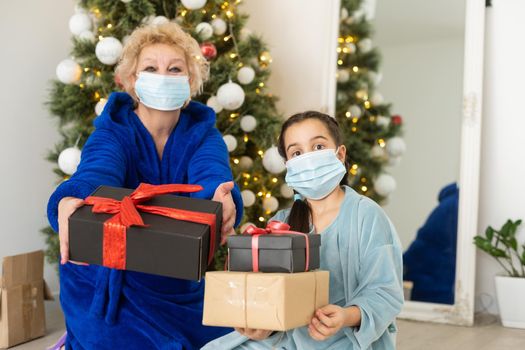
x=151, y=133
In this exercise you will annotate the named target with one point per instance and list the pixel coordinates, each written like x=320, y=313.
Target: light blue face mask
x=162, y=92
x=315, y=174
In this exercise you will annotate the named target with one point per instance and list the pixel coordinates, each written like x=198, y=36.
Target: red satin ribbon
x=126, y=215
x=276, y=228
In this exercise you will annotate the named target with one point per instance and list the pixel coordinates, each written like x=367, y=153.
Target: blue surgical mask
x=162, y=92
x=315, y=174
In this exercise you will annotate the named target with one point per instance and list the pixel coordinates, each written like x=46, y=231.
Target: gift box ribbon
x=276, y=228
x=126, y=214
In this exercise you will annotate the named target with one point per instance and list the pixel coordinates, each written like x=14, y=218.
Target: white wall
x=502, y=183
x=423, y=80
x=35, y=38
x=298, y=35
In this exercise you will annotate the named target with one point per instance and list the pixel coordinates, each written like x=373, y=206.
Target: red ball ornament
x=397, y=119
x=208, y=50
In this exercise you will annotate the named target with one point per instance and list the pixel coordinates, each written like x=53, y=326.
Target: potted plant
x=503, y=246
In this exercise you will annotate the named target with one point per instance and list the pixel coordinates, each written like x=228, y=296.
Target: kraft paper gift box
x=165, y=246
x=22, y=294
x=271, y=301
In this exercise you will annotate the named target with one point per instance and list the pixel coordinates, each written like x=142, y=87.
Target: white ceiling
x=404, y=21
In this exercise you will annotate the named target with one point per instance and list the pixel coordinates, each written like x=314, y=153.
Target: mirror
x=432, y=54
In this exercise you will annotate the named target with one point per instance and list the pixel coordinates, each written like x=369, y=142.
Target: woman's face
x=162, y=59
x=309, y=135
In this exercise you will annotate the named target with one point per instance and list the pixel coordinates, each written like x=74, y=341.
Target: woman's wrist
x=352, y=316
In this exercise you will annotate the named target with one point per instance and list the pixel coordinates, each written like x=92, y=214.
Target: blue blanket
x=111, y=309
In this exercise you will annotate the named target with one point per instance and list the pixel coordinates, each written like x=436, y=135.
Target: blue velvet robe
x=111, y=309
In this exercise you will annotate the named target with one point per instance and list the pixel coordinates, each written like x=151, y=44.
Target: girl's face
x=162, y=59
x=310, y=135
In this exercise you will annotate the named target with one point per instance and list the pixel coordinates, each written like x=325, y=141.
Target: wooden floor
x=486, y=335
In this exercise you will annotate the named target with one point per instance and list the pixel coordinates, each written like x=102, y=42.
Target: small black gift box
x=276, y=252
x=140, y=230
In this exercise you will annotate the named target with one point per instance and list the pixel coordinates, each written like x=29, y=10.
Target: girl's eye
x=318, y=147
x=296, y=153
x=175, y=70
x=149, y=69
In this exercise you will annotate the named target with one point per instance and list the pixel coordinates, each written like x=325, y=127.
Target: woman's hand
x=66, y=207
x=223, y=194
x=254, y=334
x=329, y=319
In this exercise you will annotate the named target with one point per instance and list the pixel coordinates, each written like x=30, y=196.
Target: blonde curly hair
x=168, y=33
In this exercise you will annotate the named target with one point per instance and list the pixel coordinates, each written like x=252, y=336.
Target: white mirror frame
x=462, y=312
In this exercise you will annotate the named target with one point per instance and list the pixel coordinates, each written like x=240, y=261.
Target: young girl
x=359, y=247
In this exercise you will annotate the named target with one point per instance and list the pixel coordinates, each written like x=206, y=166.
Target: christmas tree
x=371, y=132
x=239, y=69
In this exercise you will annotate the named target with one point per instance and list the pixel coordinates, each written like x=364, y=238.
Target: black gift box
x=277, y=252
x=166, y=247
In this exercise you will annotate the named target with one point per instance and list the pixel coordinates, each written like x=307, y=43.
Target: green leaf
x=498, y=253
x=513, y=243
x=489, y=233
x=506, y=229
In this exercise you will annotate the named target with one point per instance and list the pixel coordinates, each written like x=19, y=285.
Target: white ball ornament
x=68, y=71
x=231, y=142
x=230, y=96
x=148, y=19
x=248, y=123
x=378, y=152
x=396, y=146
x=69, y=159
x=193, y=4
x=272, y=161
x=246, y=163
x=344, y=13
x=286, y=191
x=382, y=121
x=108, y=50
x=245, y=33
x=126, y=1
x=248, y=198
x=270, y=204
x=213, y=102
x=219, y=26
x=80, y=22
x=245, y=75
x=204, y=30
x=355, y=111
x=384, y=185
x=377, y=98
x=99, y=107
x=159, y=20
x=343, y=75
x=350, y=48
x=365, y=45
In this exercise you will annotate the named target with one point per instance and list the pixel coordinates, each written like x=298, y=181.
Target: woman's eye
x=175, y=70
x=149, y=69
x=318, y=147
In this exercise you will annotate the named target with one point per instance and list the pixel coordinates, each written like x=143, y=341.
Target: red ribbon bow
x=276, y=228
x=127, y=215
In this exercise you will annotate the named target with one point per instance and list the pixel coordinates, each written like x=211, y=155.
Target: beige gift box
x=22, y=294
x=271, y=301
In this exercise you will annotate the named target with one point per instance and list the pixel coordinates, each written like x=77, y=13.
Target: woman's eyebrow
x=318, y=137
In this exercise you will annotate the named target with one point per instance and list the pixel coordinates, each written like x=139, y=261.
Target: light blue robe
x=361, y=250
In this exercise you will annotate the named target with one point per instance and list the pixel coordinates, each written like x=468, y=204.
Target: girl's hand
x=254, y=334
x=66, y=207
x=223, y=194
x=329, y=320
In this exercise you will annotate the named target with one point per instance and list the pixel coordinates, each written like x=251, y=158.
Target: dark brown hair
x=300, y=214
